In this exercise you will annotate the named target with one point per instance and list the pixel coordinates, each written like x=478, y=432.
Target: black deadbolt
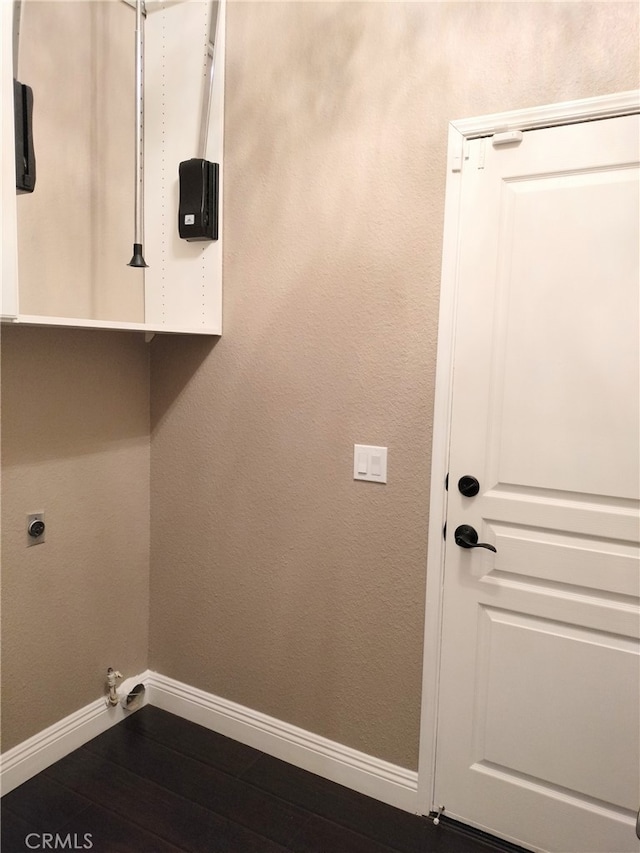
x=469, y=486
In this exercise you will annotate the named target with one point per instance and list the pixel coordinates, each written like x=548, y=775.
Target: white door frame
x=570, y=112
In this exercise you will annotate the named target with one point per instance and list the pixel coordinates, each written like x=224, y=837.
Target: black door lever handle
x=467, y=537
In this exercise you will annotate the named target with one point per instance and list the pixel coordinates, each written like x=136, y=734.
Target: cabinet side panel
x=183, y=284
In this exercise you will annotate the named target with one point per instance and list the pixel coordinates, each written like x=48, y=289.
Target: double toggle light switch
x=370, y=463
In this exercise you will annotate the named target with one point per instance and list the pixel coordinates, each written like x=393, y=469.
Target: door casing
x=460, y=132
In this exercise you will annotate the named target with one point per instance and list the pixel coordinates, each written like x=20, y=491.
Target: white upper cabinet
x=67, y=244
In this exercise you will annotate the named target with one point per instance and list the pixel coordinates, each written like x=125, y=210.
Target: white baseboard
x=349, y=767
x=356, y=770
x=40, y=751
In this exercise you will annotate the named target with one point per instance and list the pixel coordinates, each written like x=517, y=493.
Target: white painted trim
x=591, y=109
x=438, y=496
x=356, y=770
x=40, y=751
x=551, y=115
x=349, y=767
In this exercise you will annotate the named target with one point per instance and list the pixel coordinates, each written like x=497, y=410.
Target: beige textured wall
x=75, y=443
x=277, y=580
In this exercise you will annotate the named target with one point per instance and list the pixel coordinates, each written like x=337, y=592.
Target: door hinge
x=456, y=155
x=459, y=153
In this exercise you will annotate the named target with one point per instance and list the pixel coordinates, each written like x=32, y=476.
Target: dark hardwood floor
x=158, y=784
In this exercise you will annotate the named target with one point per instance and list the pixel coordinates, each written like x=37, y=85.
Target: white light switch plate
x=370, y=463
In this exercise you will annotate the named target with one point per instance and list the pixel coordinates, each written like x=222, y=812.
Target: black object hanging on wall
x=198, y=211
x=25, y=154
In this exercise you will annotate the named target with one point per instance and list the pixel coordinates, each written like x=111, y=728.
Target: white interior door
x=539, y=708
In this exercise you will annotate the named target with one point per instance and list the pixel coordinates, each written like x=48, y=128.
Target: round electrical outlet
x=35, y=528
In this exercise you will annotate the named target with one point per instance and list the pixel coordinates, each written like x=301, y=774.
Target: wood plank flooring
x=158, y=784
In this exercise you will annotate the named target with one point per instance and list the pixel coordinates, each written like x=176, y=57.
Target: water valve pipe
x=112, y=676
